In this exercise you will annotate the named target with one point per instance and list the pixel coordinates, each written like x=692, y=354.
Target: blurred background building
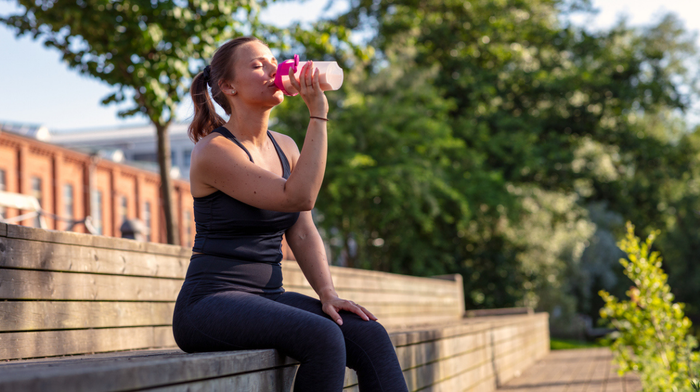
x=96, y=181
x=136, y=145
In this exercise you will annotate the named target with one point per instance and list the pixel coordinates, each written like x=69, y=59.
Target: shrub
x=652, y=333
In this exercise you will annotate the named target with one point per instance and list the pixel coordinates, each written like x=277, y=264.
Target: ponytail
x=222, y=64
x=205, y=117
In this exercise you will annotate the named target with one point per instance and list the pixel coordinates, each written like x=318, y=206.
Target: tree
x=538, y=113
x=148, y=50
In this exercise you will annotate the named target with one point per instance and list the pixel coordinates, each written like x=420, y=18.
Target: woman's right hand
x=309, y=88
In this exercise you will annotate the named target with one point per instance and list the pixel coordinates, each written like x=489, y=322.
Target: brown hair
x=205, y=117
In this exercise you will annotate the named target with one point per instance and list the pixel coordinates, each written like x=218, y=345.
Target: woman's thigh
x=236, y=320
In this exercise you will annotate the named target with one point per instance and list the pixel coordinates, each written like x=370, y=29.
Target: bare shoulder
x=213, y=157
x=213, y=144
x=288, y=145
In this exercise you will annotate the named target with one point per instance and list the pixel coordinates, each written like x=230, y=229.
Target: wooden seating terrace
x=88, y=313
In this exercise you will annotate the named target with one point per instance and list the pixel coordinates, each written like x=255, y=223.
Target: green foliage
x=517, y=114
x=652, y=331
x=568, y=344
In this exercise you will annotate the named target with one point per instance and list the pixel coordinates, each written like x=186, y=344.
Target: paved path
x=581, y=370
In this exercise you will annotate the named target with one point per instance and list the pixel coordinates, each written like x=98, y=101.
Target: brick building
x=73, y=185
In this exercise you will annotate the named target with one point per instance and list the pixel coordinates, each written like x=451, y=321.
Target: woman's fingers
x=293, y=79
x=330, y=310
x=304, y=79
x=368, y=313
x=355, y=308
x=317, y=80
x=308, y=75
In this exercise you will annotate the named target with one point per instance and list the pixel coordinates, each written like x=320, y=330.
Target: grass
x=567, y=344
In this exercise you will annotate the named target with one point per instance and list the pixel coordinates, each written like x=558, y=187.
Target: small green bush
x=651, y=335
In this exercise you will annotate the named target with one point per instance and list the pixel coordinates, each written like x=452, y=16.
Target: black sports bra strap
x=286, y=169
x=228, y=135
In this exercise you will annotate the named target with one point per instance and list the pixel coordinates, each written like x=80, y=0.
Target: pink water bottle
x=330, y=75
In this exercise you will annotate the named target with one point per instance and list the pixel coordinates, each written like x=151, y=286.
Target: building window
x=3, y=187
x=97, y=211
x=147, y=219
x=68, y=201
x=123, y=208
x=188, y=228
x=146, y=157
x=36, y=192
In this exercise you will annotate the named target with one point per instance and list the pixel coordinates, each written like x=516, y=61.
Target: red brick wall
x=8, y=163
x=23, y=158
x=72, y=172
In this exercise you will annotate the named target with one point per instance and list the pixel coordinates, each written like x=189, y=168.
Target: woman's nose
x=273, y=70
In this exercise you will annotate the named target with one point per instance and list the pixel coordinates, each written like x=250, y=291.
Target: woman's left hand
x=332, y=305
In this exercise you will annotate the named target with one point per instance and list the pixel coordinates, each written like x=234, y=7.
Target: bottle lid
x=283, y=70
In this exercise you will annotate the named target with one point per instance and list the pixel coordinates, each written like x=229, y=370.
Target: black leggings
x=295, y=325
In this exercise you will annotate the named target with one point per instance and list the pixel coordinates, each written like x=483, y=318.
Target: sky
x=37, y=88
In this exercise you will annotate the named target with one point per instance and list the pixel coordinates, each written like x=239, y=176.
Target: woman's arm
x=308, y=249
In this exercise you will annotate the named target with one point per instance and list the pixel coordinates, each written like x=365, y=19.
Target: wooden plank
x=26, y=284
x=48, y=256
x=474, y=379
x=52, y=315
x=65, y=237
x=350, y=378
x=349, y=278
x=133, y=370
x=399, y=309
x=45, y=315
x=367, y=297
x=437, y=372
x=14, y=345
x=498, y=312
x=71, y=238
x=273, y=380
x=434, y=351
x=414, y=335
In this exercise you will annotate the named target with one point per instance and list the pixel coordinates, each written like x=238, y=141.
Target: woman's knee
x=322, y=339
x=357, y=329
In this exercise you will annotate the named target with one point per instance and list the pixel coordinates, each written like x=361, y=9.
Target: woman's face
x=254, y=80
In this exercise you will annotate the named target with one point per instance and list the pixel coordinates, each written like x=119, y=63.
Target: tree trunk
x=166, y=185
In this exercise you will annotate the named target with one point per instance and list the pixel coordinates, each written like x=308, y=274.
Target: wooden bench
x=90, y=313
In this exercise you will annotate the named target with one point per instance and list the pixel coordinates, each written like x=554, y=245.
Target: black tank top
x=232, y=229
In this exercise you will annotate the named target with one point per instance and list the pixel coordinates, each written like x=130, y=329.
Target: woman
x=250, y=187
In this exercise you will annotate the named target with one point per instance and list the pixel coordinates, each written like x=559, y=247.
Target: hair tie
x=206, y=73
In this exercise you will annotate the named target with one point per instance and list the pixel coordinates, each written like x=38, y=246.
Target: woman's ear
x=227, y=88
